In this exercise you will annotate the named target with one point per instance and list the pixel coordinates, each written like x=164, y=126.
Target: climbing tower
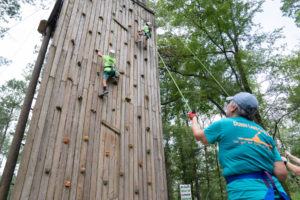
x=81, y=146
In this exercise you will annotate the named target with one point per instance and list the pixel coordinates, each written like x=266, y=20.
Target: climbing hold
x=136, y=191
x=149, y=182
x=93, y=110
x=136, y=21
x=139, y=116
x=146, y=59
x=140, y=164
x=100, y=17
x=125, y=43
x=79, y=97
x=145, y=47
x=148, y=129
x=66, y=140
x=121, y=173
x=90, y=31
x=67, y=183
x=83, y=14
x=70, y=79
x=96, y=50
x=128, y=99
x=130, y=146
x=82, y=170
x=147, y=97
x=126, y=127
x=86, y=138
x=142, y=75
x=121, y=72
x=105, y=182
x=47, y=170
x=148, y=151
x=129, y=26
x=107, y=153
x=135, y=56
x=112, y=31
x=128, y=62
x=113, y=110
x=73, y=41
x=98, y=73
x=99, y=33
x=134, y=85
x=121, y=11
x=79, y=63
x=124, y=6
x=110, y=44
x=114, y=14
x=130, y=9
x=58, y=108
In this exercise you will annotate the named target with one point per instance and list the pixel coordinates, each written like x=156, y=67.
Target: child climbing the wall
x=145, y=31
x=109, y=71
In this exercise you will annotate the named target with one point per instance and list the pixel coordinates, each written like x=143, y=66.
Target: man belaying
x=251, y=163
x=109, y=69
x=145, y=31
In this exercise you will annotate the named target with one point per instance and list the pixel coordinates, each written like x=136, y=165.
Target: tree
x=291, y=8
x=236, y=56
x=11, y=98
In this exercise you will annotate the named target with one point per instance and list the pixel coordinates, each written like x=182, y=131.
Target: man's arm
x=279, y=171
x=293, y=158
x=198, y=133
x=292, y=167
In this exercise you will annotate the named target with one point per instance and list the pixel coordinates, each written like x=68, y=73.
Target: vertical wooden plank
x=72, y=71
x=34, y=121
x=36, y=145
x=74, y=108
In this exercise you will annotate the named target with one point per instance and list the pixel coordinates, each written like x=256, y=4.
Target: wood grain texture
x=115, y=143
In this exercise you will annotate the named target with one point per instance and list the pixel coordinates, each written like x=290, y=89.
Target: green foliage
x=186, y=163
x=291, y=8
x=242, y=58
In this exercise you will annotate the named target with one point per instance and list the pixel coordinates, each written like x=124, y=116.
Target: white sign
x=185, y=192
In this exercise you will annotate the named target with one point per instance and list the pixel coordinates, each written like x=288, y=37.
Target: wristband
x=285, y=162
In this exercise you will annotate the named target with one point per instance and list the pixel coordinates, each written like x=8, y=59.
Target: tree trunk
x=4, y=134
x=197, y=183
x=219, y=174
x=5, y=131
x=169, y=181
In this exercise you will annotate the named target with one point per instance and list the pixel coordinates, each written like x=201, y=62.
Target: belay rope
x=170, y=74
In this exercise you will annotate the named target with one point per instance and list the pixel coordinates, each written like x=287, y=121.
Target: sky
x=18, y=44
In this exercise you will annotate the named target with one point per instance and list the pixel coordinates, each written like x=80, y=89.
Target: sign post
x=185, y=192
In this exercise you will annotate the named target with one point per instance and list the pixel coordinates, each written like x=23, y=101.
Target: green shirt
x=146, y=29
x=244, y=147
x=109, y=61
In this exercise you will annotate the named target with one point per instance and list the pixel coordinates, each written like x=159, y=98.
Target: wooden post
x=21, y=125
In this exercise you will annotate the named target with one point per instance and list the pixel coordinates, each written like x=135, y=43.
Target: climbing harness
x=265, y=176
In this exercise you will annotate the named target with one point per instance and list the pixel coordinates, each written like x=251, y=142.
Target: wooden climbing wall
x=80, y=146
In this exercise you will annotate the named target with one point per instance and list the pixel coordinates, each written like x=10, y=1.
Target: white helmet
x=148, y=23
x=112, y=52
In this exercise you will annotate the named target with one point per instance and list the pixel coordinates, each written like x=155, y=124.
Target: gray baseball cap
x=245, y=100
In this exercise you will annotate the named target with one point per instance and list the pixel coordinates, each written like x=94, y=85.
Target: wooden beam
x=111, y=127
x=143, y=6
x=120, y=24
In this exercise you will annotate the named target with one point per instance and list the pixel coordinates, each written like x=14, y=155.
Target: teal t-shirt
x=244, y=147
x=109, y=61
